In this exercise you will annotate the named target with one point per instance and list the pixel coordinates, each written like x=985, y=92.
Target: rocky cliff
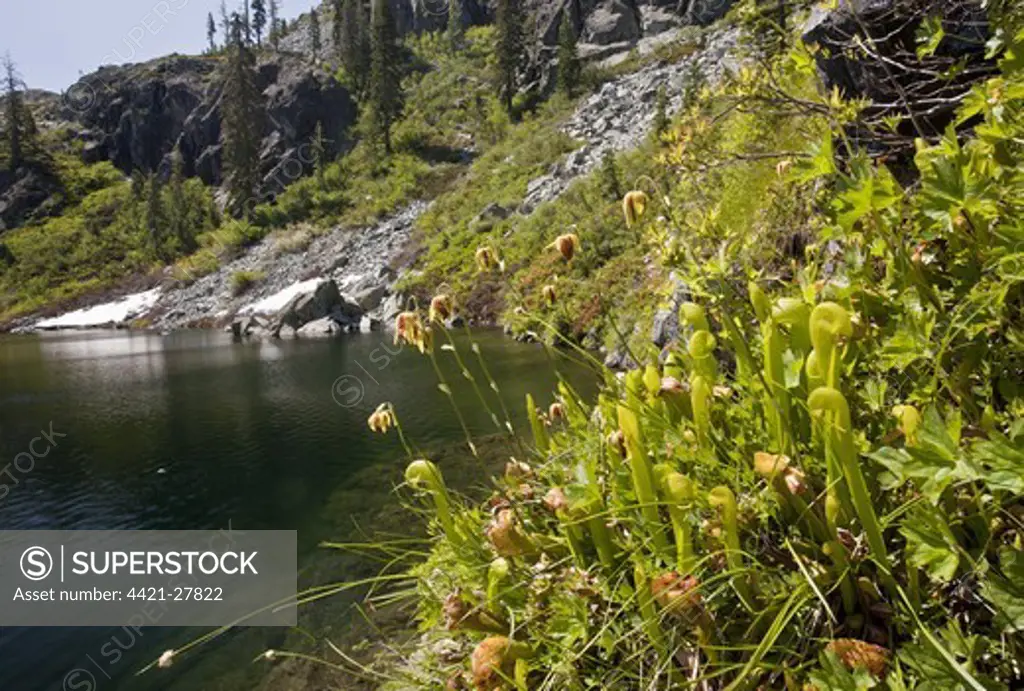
x=136, y=115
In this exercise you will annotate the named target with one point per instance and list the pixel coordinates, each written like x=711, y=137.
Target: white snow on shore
x=128, y=307
x=276, y=302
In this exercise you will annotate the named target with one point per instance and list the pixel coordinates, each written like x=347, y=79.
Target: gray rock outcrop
x=136, y=115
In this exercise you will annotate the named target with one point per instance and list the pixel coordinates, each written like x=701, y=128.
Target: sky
x=55, y=42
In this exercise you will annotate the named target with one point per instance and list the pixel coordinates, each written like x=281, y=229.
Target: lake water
x=194, y=431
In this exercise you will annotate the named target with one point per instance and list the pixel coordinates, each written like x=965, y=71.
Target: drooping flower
x=493, y=662
x=166, y=659
x=854, y=653
x=566, y=245
x=382, y=419
x=506, y=536
x=550, y=294
x=633, y=206
x=517, y=470
x=555, y=500
x=556, y=411
x=617, y=442
x=269, y=655
x=441, y=307
x=409, y=329
x=770, y=465
x=782, y=167
x=670, y=386
x=487, y=259
x=462, y=615
x=677, y=594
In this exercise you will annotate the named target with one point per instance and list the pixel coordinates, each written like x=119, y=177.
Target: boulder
x=614, y=21
x=319, y=328
x=324, y=301
x=369, y=299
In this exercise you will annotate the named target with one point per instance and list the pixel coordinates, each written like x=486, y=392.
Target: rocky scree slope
x=366, y=263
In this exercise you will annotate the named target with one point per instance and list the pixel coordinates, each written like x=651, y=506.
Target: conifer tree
x=246, y=22
x=338, y=28
x=211, y=32
x=568, y=56
x=455, y=28
x=355, y=45
x=179, y=212
x=156, y=216
x=661, y=121
x=274, y=34
x=509, y=49
x=319, y=153
x=225, y=23
x=385, y=89
x=610, y=184
x=314, y=33
x=19, y=126
x=259, y=19
x=242, y=118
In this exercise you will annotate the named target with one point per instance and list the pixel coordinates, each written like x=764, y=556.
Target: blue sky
x=54, y=42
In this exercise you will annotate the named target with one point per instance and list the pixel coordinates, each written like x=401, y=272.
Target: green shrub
x=242, y=281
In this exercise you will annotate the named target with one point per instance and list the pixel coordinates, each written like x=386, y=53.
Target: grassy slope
x=784, y=587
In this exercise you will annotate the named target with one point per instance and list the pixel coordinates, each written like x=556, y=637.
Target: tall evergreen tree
x=246, y=22
x=156, y=217
x=275, y=30
x=19, y=125
x=225, y=23
x=385, y=88
x=242, y=118
x=259, y=19
x=314, y=33
x=509, y=49
x=211, y=32
x=455, y=28
x=661, y=121
x=319, y=146
x=179, y=212
x=355, y=43
x=338, y=28
x=568, y=56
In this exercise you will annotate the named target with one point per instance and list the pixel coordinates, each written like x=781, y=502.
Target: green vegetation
x=241, y=281
x=820, y=486
x=107, y=231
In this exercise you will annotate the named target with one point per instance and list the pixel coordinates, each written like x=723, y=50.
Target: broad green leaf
x=931, y=544
x=1005, y=590
x=833, y=676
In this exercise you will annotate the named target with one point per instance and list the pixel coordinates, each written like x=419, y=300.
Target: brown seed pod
x=854, y=653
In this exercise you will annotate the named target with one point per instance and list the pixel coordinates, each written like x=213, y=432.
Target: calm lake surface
x=193, y=431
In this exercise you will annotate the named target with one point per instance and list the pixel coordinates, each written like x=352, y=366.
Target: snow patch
x=128, y=307
x=276, y=302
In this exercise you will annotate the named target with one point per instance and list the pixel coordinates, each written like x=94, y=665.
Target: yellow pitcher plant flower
x=409, y=329
x=382, y=419
x=634, y=204
x=567, y=245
